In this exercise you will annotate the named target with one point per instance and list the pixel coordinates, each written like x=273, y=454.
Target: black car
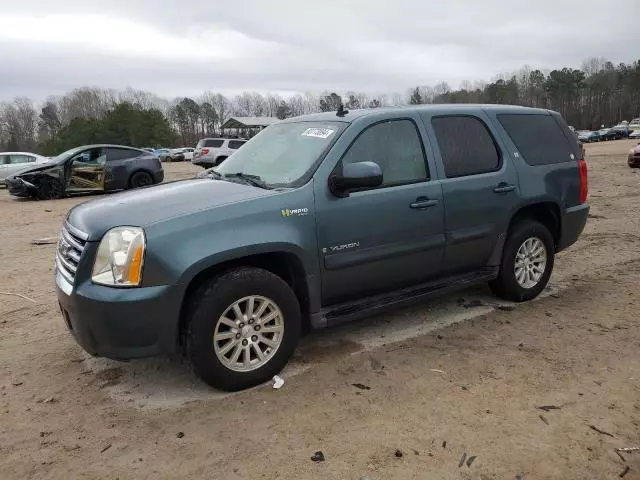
x=90, y=168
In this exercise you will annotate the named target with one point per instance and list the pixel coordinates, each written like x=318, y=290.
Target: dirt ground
x=462, y=375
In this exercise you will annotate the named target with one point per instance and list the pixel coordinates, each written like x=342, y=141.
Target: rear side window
x=235, y=144
x=210, y=143
x=466, y=146
x=15, y=159
x=538, y=138
x=114, y=154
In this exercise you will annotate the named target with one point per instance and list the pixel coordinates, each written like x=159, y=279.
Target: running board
x=369, y=306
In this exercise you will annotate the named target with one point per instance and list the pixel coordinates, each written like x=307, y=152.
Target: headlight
x=120, y=257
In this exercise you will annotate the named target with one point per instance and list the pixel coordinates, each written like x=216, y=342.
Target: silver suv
x=211, y=152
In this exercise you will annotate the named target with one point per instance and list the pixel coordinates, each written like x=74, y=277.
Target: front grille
x=70, y=247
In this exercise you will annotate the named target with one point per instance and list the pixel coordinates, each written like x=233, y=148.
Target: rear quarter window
x=539, y=138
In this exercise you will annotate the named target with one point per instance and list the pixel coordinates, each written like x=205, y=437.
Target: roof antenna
x=341, y=111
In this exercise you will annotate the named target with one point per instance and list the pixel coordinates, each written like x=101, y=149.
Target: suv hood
x=146, y=206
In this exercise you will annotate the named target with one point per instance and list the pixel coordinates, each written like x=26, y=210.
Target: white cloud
x=185, y=47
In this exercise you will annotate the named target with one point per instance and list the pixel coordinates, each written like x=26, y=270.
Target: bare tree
x=20, y=124
x=222, y=107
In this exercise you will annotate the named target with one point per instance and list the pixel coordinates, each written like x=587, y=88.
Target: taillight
x=584, y=180
x=204, y=151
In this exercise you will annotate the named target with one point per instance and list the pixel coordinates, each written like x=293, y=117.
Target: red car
x=634, y=157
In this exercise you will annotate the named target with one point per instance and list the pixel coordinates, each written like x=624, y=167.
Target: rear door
x=479, y=185
x=118, y=168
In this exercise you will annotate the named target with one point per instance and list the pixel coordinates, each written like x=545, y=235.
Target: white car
x=634, y=124
x=188, y=154
x=211, y=152
x=13, y=162
x=635, y=134
x=180, y=154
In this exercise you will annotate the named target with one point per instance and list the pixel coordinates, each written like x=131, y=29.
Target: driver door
x=87, y=170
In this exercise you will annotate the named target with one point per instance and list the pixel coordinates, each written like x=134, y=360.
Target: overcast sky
x=183, y=48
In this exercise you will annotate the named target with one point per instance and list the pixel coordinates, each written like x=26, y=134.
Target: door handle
x=423, y=202
x=504, y=188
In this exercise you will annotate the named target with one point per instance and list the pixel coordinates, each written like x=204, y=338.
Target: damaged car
x=88, y=169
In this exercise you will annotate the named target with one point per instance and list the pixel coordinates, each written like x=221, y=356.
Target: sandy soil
x=438, y=382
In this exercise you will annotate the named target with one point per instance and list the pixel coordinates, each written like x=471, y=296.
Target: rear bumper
x=634, y=161
x=158, y=176
x=119, y=323
x=573, y=223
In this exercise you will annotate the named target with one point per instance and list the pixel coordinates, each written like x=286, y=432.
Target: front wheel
x=242, y=329
x=49, y=189
x=527, y=262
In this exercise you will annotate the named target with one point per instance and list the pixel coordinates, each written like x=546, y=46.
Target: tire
x=205, y=328
x=140, y=179
x=506, y=285
x=49, y=189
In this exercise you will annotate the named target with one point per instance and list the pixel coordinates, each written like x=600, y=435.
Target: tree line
x=598, y=93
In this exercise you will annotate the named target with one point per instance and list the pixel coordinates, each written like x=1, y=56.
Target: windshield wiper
x=213, y=173
x=254, y=180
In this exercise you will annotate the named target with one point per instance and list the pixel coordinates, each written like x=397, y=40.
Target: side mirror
x=356, y=176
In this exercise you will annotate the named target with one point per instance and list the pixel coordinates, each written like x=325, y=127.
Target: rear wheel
x=219, y=160
x=527, y=262
x=243, y=327
x=140, y=179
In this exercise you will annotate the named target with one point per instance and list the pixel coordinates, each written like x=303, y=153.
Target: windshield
x=283, y=154
x=68, y=154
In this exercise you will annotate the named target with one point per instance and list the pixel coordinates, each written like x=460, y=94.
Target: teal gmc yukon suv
x=319, y=220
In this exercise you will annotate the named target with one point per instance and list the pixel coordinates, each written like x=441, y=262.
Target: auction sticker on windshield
x=318, y=132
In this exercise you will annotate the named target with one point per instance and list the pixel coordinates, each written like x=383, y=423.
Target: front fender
x=181, y=248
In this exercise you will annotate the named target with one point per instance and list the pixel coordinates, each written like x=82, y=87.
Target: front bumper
x=20, y=188
x=634, y=161
x=573, y=223
x=120, y=323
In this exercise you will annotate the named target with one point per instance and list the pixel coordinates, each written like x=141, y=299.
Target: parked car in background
x=622, y=130
x=174, y=155
x=211, y=152
x=634, y=124
x=609, y=134
x=188, y=153
x=149, y=149
x=587, y=136
x=635, y=134
x=180, y=154
x=320, y=220
x=634, y=157
x=162, y=153
x=13, y=162
x=91, y=168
